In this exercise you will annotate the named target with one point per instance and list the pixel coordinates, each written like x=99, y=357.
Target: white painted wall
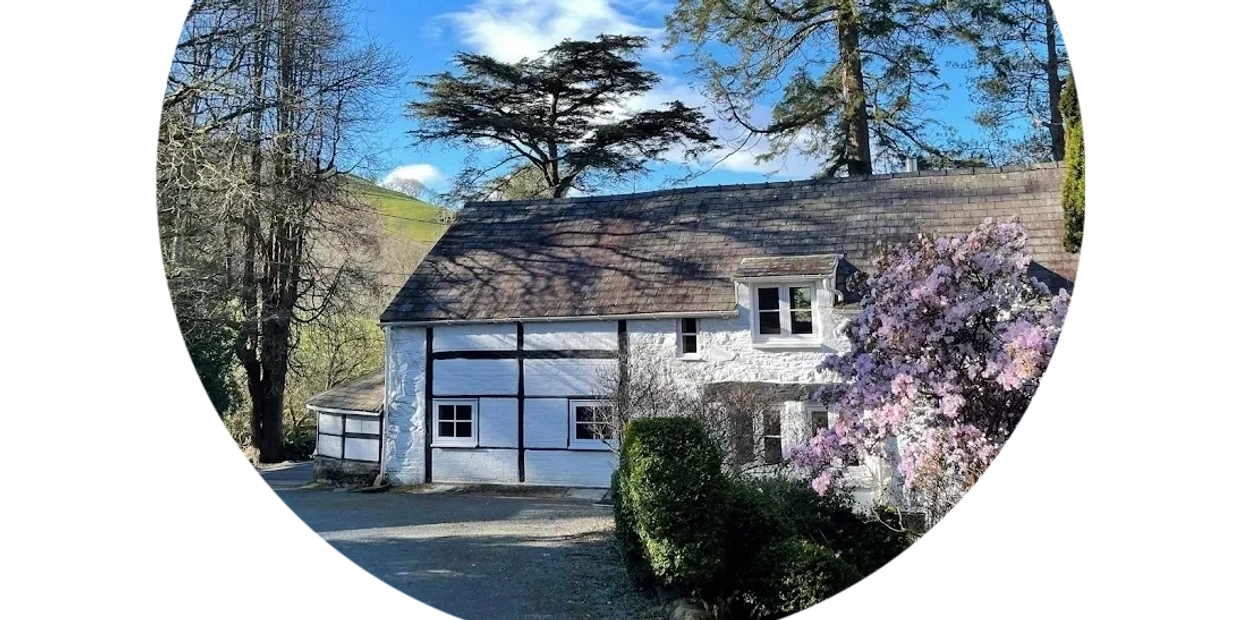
x=497, y=422
x=403, y=438
x=580, y=468
x=574, y=335
x=498, y=337
x=329, y=445
x=466, y=377
x=546, y=423
x=474, y=465
x=330, y=424
x=354, y=425
x=358, y=449
x=726, y=349
x=564, y=377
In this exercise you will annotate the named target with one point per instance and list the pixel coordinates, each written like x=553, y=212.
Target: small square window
x=454, y=423
x=592, y=428
x=687, y=339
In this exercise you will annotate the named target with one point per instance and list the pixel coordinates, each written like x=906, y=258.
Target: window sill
x=783, y=344
x=689, y=358
x=440, y=443
x=589, y=447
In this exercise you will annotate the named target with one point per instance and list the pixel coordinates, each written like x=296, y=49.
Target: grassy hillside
x=407, y=217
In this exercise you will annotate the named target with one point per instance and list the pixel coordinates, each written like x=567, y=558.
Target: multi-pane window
x=455, y=422
x=591, y=425
x=687, y=346
x=784, y=311
x=772, y=438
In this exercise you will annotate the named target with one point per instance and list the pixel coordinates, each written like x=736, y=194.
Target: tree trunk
x=854, y=120
x=269, y=408
x=1053, y=85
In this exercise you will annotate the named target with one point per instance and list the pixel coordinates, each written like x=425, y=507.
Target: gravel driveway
x=474, y=555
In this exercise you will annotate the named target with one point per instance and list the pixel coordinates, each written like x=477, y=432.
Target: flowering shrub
x=948, y=348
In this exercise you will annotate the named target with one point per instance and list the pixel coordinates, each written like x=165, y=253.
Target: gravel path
x=474, y=555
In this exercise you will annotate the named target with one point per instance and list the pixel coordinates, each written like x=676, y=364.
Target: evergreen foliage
x=1074, y=176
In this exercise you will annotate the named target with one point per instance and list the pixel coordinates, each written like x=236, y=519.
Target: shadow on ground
x=477, y=556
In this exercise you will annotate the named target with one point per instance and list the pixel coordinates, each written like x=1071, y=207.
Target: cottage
x=496, y=342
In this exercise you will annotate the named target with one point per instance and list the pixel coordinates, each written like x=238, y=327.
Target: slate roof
x=774, y=266
x=677, y=251
x=364, y=394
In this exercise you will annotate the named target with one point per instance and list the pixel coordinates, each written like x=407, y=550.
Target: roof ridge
x=798, y=183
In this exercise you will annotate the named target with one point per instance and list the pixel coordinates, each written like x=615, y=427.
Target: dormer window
x=785, y=311
x=788, y=297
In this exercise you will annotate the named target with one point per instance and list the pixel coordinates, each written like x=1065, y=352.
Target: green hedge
x=627, y=540
x=794, y=574
x=761, y=549
x=669, y=488
x=832, y=521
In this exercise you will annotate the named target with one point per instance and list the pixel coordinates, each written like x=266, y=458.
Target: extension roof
x=363, y=395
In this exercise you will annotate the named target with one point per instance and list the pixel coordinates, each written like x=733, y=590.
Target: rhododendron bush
x=948, y=348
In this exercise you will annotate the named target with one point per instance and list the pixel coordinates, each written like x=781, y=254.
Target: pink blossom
x=822, y=483
x=952, y=337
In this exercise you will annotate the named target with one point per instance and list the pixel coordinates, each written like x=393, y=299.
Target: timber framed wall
x=520, y=382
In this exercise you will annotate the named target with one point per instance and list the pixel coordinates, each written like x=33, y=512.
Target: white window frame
x=585, y=444
x=680, y=339
x=455, y=442
x=785, y=337
x=776, y=412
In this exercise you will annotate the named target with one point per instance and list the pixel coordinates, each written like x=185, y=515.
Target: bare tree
x=730, y=414
x=267, y=105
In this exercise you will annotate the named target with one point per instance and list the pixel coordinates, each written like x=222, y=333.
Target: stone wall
x=338, y=471
x=727, y=351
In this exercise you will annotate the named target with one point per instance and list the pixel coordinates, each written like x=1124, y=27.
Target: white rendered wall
x=546, y=423
x=577, y=468
x=572, y=336
x=564, y=377
x=727, y=350
x=404, y=436
x=499, y=337
x=474, y=465
x=497, y=422
x=466, y=377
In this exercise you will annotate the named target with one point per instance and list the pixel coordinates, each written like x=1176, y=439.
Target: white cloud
x=425, y=174
x=792, y=165
x=510, y=30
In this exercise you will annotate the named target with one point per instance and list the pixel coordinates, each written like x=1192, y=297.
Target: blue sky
x=428, y=32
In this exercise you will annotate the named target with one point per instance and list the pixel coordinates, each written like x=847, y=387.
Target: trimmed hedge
x=627, y=540
x=669, y=488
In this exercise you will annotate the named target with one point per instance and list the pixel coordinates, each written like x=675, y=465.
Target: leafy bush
x=299, y=443
x=627, y=541
x=831, y=520
x=669, y=477
x=794, y=574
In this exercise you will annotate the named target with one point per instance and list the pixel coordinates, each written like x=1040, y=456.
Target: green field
x=407, y=217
